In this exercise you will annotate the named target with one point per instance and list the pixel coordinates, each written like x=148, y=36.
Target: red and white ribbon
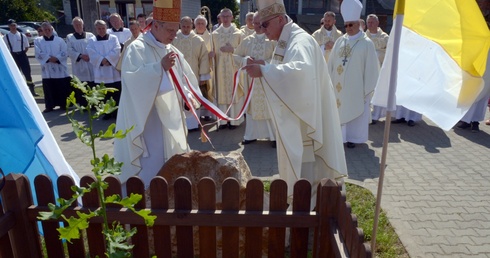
x=206, y=103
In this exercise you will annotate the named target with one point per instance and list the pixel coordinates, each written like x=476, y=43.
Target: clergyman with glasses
x=301, y=99
x=354, y=67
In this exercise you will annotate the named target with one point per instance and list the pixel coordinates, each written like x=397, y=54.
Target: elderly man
x=150, y=100
x=258, y=120
x=104, y=51
x=51, y=52
x=225, y=39
x=354, y=69
x=200, y=28
x=248, y=28
x=196, y=54
x=301, y=100
x=77, y=51
x=327, y=34
x=377, y=36
x=118, y=29
x=18, y=46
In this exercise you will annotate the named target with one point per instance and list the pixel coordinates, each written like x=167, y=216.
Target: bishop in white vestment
x=354, y=68
x=302, y=102
x=151, y=103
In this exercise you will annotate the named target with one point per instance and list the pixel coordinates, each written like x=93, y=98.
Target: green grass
x=363, y=204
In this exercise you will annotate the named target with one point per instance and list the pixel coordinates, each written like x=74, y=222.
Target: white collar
x=358, y=35
x=155, y=41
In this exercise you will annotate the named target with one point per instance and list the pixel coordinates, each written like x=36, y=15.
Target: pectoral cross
x=344, y=61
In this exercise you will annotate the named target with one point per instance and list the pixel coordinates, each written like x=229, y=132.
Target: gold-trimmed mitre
x=167, y=10
x=268, y=8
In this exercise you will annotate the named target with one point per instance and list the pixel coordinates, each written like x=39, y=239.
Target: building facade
x=128, y=9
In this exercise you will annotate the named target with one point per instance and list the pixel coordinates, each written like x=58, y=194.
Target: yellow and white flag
x=442, y=57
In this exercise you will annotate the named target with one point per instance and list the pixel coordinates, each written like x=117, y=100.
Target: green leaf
x=72, y=231
x=145, y=214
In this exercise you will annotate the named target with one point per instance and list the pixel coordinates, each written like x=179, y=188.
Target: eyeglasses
x=348, y=25
x=265, y=24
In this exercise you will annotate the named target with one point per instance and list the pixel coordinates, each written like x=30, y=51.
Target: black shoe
x=47, y=110
x=248, y=141
x=351, y=145
x=463, y=125
x=475, y=127
x=221, y=127
x=207, y=118
x=232, y=127
x=399, y=121
x=411, y=123
x=273, y=144
x=35, y=94
x=373, y=122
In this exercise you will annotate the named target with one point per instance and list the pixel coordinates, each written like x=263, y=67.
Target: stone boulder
x=218, y=166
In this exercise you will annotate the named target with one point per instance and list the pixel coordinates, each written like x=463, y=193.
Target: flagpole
x=399, y=11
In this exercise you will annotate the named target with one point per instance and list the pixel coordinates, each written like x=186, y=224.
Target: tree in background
x=23, y=10
x=216, y=5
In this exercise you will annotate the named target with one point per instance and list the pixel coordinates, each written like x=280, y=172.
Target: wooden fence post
x=17, y=197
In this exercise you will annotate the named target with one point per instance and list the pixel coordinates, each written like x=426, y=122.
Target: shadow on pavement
x=481, y=138
x=432, y=138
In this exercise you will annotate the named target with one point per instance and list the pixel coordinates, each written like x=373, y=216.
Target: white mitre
x=269, y=8
x=351, y=10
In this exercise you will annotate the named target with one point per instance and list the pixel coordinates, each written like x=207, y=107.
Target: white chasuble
x=148, y=96
x=353, y=67
x=299, y=92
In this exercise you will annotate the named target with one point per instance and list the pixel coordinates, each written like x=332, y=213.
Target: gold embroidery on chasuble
x=345, y=51
x=338, y=87
x=226, y=67
x=340, y=69
x=186, y=47
x=338, y=103
x=258, y=107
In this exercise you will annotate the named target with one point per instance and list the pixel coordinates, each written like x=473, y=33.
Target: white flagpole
x=399, y=12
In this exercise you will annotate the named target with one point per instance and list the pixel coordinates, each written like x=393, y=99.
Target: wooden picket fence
x=334, y=228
